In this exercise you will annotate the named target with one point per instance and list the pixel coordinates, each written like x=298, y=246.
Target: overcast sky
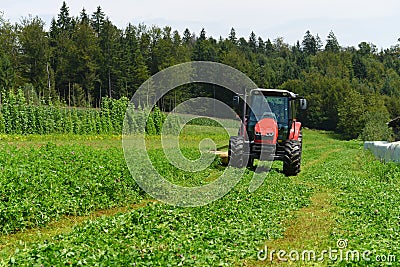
x=352, y=21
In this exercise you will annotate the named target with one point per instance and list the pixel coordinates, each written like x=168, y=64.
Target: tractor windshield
x=275, y=107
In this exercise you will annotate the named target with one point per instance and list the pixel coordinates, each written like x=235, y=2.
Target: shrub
x=376, y=128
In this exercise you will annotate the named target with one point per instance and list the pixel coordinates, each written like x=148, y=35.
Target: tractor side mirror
x=236, y=100
x=303, y=104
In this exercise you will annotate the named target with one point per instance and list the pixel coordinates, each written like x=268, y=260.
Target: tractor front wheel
x=236, y=152
x=292, y=158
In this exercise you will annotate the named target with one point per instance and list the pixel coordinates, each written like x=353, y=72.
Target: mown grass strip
x=310, y=227
x=8, y=243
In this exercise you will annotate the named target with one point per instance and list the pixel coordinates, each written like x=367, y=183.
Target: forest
x=80, y=60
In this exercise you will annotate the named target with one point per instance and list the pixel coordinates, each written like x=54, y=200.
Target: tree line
x=82, y=59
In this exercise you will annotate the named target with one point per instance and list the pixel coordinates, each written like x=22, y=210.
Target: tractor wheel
x=300, y=140
x=236, y=152
x=292, y=158
x=250, y=162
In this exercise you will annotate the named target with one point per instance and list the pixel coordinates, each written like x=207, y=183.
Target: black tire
x=300, y=140
x=236, y=152
x=292, y=158
x=250, y=162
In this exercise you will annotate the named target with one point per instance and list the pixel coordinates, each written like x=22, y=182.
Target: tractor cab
x=269, y=129
x=279, y=105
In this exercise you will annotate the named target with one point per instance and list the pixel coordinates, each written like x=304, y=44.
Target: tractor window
x=275, y=107
x=279, y=106
x=259, y=109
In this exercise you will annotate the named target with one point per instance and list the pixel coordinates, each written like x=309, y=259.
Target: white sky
x=352, y=21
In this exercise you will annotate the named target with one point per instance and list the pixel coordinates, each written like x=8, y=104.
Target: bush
x=376, y=128
x=350, y=112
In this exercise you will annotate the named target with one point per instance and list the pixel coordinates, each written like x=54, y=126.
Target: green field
x=70, y=200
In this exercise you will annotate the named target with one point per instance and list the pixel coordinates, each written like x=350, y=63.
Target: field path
x=312, y=224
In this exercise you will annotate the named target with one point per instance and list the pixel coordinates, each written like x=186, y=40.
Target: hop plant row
x=18, y=116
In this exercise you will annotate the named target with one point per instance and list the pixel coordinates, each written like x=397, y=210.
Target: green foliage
x=150, y=126
x=204, y=121
x=363, y=196
x=332, y=44
x=19, y=117
x=2, y=124
x=42, y=184
x=351, y=115
x=35, y=50
x=171, y=124
x=204, y=50
x=82, y=59
x=376, y=128
x=158, y=119
x=223, y=232
x=309, y=44
x=375, y=120
x=364, y=116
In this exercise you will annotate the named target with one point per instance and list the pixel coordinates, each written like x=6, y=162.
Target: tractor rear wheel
x=236, y=152
x=250, y=162
x=292, y=158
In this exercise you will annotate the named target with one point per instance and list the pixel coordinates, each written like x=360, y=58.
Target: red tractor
x=269, y=130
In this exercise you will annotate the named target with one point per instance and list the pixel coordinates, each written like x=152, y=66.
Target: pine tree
x=83, y=17
x=187, y=37
x=309, y=44
x=98, y=20
x=232, y=36
x=62, y=53
x=202, y=36
x=252, y=43
x=35, y=55
x=332, y=44
x=269, y=47
x=319, y=43
x=203, y=49
x=261, y=45
x=109, y=61
x=64, y=21
x=84, y=57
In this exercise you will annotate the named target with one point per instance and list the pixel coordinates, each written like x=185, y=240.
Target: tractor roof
x=275, y=92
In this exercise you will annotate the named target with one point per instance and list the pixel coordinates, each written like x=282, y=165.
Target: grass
x=341, y=193
x=62, y=226
x=309, y=229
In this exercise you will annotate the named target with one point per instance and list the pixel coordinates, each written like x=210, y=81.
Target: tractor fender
x=295, y=131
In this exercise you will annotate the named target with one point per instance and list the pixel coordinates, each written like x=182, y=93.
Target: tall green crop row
x=2, y=125
x=112, y=114
x=18, y=116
